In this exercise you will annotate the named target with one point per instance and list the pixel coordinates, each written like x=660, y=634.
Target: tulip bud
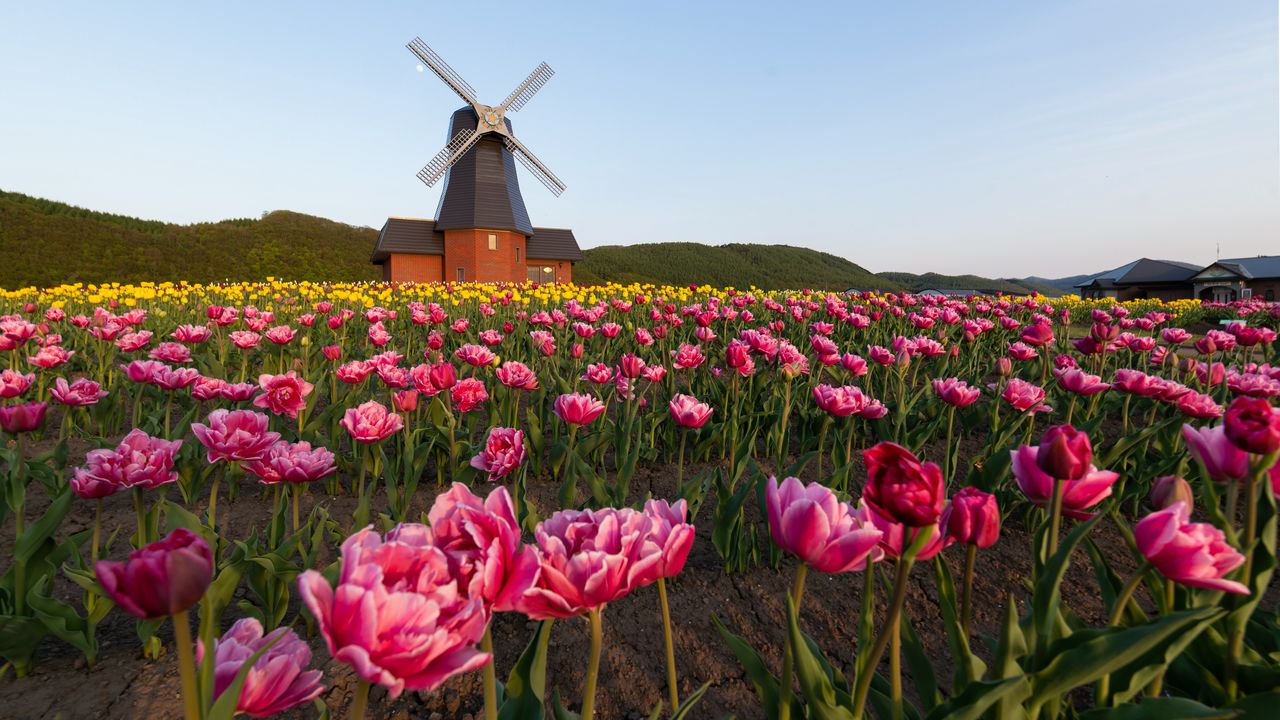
x=1170, y=489
x=972, y=518
x=1004, y=366
x=1064, y=453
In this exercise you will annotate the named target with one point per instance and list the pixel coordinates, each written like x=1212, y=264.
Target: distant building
x=413, y=249
x=1226, y=280
x=1238, y=278
x=1142, y=278
x=955, y=292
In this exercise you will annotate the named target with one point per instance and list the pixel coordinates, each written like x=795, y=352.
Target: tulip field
x=364, y=500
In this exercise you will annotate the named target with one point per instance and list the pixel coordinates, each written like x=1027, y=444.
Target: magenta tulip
x=688, y=412
x=371, y=422
x=1222, y=461
x=482, y=542
x=972, y=518
x=24, y=418
x=277, y=682
x=902, y=488
x=1078, y=495
x=810, y=523
x=578, y=408
x=671, y=533
x=1253, y=425
x=502, y=454
x=293, y=463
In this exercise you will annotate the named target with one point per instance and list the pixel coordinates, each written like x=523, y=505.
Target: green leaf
x=1166, y=708
x=559, y=711
x=525, y=689
x=37, y=532
x=918, y=662
x=1128, y=683
x=687, y=705
x=765, y=684
x=815, y=684
x=1046, y=597
x=978, y=697
x=1087, y=655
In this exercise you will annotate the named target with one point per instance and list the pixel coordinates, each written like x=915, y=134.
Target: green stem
x=596, y=619
x=966, y=596
x=97, y=530
x=901, y=573
x=296, y=492
x=187, y=666
x=822, y=443
x=684, y=435
x=361, y=701
x=490, y=677
x=213, y=499
x=797, y=591
x=1055, y=516
x=141, y=515
x=673, y=689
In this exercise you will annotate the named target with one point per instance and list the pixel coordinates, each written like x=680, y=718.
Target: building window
x=493, y=241
x=462, y=275
x=1271, y=295
x=517, y=253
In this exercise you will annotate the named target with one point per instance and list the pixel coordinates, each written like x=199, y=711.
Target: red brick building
x=414, y=250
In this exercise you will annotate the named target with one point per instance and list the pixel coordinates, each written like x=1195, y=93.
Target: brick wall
x=469, y=250
x=412, y=268
x=1260, y=288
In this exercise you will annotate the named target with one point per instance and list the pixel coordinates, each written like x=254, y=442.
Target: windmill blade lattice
x=535, y=166
x=442, y=69
x=452, y=153
x=525, y=91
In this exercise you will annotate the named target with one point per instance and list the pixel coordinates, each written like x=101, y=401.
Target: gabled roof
x=413, y=236
x=419, y=236
x=1254, y=268
x=553, y=244
x=1143, y=271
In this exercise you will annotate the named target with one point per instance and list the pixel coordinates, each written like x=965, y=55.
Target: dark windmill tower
x=481, y=231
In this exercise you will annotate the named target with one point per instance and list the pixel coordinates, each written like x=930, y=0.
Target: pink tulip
x=476, y=355
x=502, y=454
x=671, y=533
x=1222, y=461
x=468, y=394
x=840, y=401
x=1024, y=396
x=171, y=353
x=371, y=422
x=1197, y=405
x=810, y=523
x=482, y=542
x=1192, y=554
x=972, y=518
x=397, y=616
x=234, y=435
x=1171, y=489
x=955, y=392
x=1078, y=495
x=277, y=682
x=161, y=579
x=81, y=393
x=517, y=375
x=293, y=463
x=590, y=558
x=24, y=418
x=1079, y=382
x=168, y=378
x=688, y=412
x=283, y=394
x=577, y=408
x=142, y=371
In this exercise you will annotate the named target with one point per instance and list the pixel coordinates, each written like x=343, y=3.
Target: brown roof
x=410, y=236
x=420, y=237
x=553, y=244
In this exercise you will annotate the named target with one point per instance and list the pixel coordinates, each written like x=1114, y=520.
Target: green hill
x=739, y=265
x=916, y=283
x=49, y=243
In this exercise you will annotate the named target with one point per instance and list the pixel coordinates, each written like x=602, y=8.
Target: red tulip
x=27, y=417
x=901, y=488
x=161, y=579
x=972, y=518
x=1253, y=425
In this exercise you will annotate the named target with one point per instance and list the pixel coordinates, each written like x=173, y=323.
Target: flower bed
x=424, y=485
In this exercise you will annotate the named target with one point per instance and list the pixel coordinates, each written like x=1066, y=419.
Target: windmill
x=481, y=231
x=490, y=120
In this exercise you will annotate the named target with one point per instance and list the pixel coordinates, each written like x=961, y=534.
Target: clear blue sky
x=1001, y=138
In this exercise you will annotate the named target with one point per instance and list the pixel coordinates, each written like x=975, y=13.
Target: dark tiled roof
x=553, y=244
x=414, y=236
x=1143, y=271
x=481, y=190
x=1260, y=267
x=408, y=235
